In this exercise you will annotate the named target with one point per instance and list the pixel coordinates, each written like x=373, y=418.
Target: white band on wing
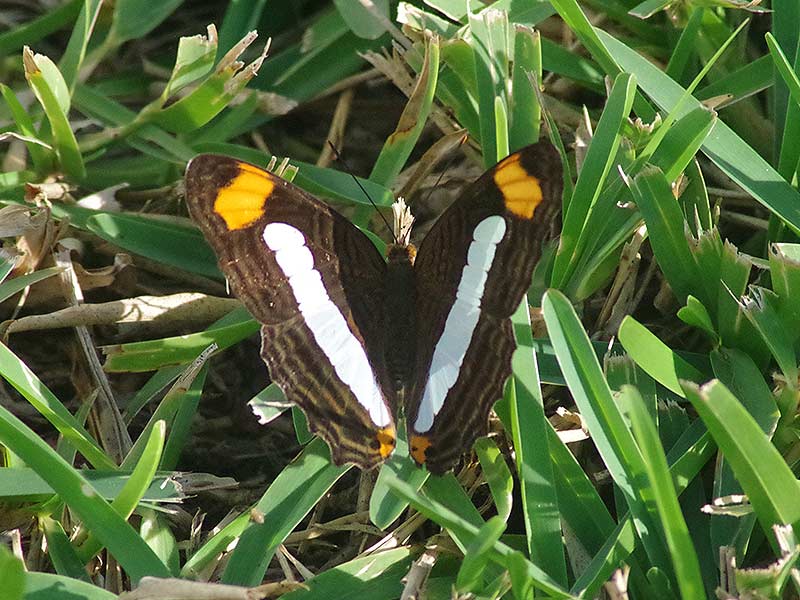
x=325, y=320
x=462, y=319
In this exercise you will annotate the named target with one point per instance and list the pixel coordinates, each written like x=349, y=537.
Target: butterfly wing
x=316, y=284
x=472, y=270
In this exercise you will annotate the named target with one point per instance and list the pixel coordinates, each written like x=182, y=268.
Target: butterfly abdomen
x=400, y=303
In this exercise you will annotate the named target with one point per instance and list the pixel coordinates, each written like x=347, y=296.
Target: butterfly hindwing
x=472, y=270
x=316, y=284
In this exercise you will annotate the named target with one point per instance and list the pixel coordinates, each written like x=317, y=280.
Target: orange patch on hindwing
x=419, y=446
x=521, y=191
x=241, y=202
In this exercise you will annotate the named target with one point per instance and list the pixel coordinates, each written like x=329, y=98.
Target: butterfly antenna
x=446, y=168
x=341, y=159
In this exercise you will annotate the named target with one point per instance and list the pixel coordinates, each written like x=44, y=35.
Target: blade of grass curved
x=41, y=157
x=525, y=109
x=577, y=21
x=13, y=286
x=401, y=142
x=446, y=491
x=286, y=502
x=681, y=548
x=134, y=489
x=12, y=572
x=726, y=149
x=49, y=87
x=767, y=480
x=99, y=517
x=155, y=354
x=471, y=573
x=682, y=141
x=685, y=46
x=467, y=531
x=26, y=383
x=497, y=475
x=656, y=358
x=758, y=308
x=180, y=428
x=133, y=19
x=489, y=45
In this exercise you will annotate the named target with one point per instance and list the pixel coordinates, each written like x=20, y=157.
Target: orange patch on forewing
x=521, y=191
x=387, y=441
x=241, y=202
x=419, y=446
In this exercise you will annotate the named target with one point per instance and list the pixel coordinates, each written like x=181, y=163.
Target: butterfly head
x=402, y=222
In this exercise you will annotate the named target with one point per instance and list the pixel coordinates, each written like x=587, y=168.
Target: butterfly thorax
x=399, y=303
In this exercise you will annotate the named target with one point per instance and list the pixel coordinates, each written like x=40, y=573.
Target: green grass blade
x=599, y=159
x=767, y=480
x=97, y=515
x=41, y=156
x=528, y=426
x=656, y=358
x=155, y=354
x=16, y=285
x=471, y=573
x=726, y=149
x=497, y=475
x=576, y=20
x=26, y=383
x=685, y=47
x=757, y=307
x=385, y=507
x=489, y=30
x=740, y=374
x=31, y=32
x=681, y=547
x=665, y=228
x=65, y=559
x=286, y=502
x=12, y=573
x=525, y=109
x=133, y=19
x=682, y=141
x=398, y=145
x=468, y=532
x=603, y=418
x=134, y=489
x=73, y=56
x=51, y=91
x=374, y=577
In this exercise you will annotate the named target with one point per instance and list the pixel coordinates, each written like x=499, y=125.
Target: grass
x=665, y=322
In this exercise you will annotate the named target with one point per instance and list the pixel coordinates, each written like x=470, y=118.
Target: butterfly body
x=349, y=335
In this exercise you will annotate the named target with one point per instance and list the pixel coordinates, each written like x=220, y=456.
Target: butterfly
x=350, y=336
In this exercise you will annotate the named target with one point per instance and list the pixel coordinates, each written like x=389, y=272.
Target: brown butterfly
x=350, y=336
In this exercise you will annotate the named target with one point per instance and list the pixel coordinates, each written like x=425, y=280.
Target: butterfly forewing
x=472, y=270
x=316, y=284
